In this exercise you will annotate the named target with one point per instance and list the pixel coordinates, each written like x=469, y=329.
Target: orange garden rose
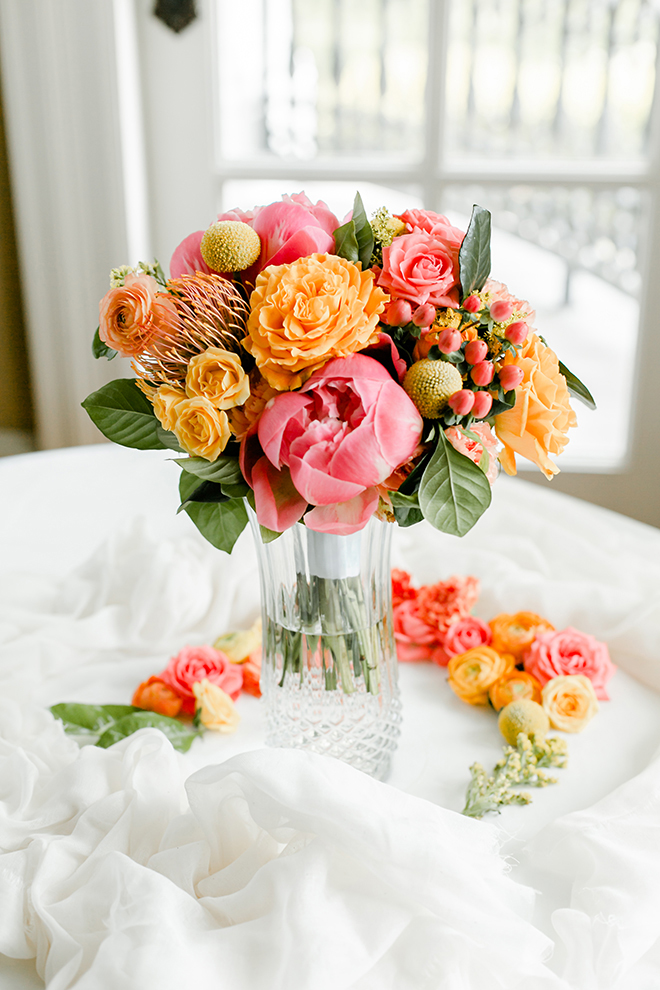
x=218, y=376
x=538, y=423
x=129, y=315
x=472, y=674
x=155, y=695
x=569, y=702
x=305, y=313
x=201, y=429
x=513, y=686
x=515, y=633
x=165, y=401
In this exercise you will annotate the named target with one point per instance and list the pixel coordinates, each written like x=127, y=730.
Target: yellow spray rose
x=305, y=313
x=218, y=376
x=165, y=401
x=200, y=428
x=215, y=708
x=569, y=702
x=538, y=423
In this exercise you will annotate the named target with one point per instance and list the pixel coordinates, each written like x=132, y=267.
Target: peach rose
x=155, y=695
x=475, y=449
x=214, y=707
x=472, y=674
x=243, y=417
x=569, y=702
x=129, y=315
x=218, y=376
x=422, y=268
x=165, y=402
x=570, y=652
x=201, y=429
x=515, y=633
x=538, y=423
x=513, y=686
x=305, y=313
x=433, y=223
x=193, y=664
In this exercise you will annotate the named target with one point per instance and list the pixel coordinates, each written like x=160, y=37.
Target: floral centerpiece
x=324, y=378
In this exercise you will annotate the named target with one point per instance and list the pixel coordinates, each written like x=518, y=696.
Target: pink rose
x=344, y=432
x=193, y=664
x=433, y=223
x=463, y=635
x=415, y=639
x=422, y=268
x=498, y=292
x=555, y=654
x=474, y=449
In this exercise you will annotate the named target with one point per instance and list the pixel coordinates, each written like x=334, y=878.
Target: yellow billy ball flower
x=430, y=384
x=524, y=716
x=230, y=246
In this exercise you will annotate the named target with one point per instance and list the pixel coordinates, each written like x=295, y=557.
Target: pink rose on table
x=195, y=663
x=422, y=268
x=332, y=442
x=555, y=654
x=474, y=449
x=415, y=639
x=463, y=635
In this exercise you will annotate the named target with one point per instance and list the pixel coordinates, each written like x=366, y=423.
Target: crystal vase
x=329, y=668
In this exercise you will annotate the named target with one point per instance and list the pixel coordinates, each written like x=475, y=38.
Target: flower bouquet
x=325, y=379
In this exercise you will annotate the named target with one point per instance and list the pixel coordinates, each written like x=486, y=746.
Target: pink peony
x=422, y=268
x=193, y=664
x=463, y=635
x=474, y=449
x=555, y=654
x=187, y=258
x=331, y=442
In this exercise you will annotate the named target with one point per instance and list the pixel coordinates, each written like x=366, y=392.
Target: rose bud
x=397, y=312
x=424, y=315
x=482, y=404
x=501, y=310
x=511, y=376
x=462, y=402
x=517, y=332
x=476, y=351
x=482, y=373
x=472, y=304
x=449, y=340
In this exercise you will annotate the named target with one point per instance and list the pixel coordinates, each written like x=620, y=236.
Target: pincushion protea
x=210, y=312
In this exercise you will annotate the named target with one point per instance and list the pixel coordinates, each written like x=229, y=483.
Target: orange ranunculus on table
x=513, y=686
x=472, y=674
x=155, y=695
x=516, y=633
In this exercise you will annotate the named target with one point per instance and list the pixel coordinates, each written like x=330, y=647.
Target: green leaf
x=576, y=387
x=124, y=415
x=454, y=491
x=168, y=439
x=474, y=256
x=100, y=348
x=268, y=535
x=81, y=719
x=177, y=732
x=221, y=523
x=503, y=405
x=364, y=235
x=207, y=492
x=225, y=472
x=346, y=243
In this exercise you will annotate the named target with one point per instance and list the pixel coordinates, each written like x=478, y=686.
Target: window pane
x=573, y=254
x=338, y=195
x=567, y=79
x=332, y=77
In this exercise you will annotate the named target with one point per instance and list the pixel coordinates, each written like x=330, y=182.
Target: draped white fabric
x=244, y=867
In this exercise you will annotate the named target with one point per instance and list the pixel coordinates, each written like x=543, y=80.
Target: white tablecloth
x=275, y=869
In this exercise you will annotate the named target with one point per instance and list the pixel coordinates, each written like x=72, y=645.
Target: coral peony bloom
x=402, y=588
x=569, y=702
x=155, y=695
x=344, y=432
x=472, y=674
x=466, y=634
x=538, y=423
x=201, y=429
x=129, y=315
x=193, y=664
x=305, y=313
x=422, y=268
x=214, y=707
x=218, y=376
x=570, y=651
x=516, y=633
x=513, y=686
x=475, y=449
x=445, y=602
x=187, y=258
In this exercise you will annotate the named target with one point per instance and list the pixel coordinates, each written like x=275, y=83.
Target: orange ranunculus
x=303, y=314
x=165, y=400
x=513, y=686
x=472, y=674
x=155, y=695
x=201, y=429
x=515, y=633
x=570, y=702
x=129, y=314
x=242, y=417
x=218, y=376
x=538, y=423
